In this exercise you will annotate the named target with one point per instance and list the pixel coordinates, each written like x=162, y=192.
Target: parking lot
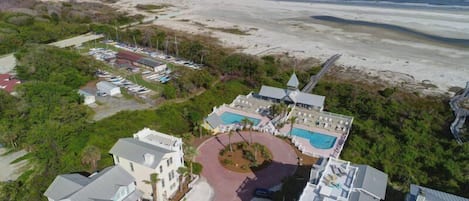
x=108, y=106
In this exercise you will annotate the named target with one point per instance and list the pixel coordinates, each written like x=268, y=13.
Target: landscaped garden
x=244, y=157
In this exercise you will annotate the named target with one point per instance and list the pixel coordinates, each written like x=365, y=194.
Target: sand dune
x=279, y=27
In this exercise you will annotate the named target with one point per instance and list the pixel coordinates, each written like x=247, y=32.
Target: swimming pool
x=318, y=140
x=232, y=118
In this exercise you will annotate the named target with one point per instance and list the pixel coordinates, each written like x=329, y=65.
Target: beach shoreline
x=284, y=27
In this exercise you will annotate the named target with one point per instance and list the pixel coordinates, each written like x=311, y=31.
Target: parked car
x=103, y=94
x=263, y=193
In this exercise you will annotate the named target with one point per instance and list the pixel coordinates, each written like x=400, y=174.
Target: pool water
x=232, y=118
x=318, y=140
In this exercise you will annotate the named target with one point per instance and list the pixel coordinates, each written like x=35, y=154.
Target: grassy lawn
x=149, y=7
x=87, y=46
x=230, y=30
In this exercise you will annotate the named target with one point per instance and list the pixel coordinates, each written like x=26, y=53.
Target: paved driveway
x=233, y=186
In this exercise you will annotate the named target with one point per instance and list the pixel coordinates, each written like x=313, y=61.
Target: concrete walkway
x=10, y=171
x=233, y=186
x=201, y=191
x=7, y=63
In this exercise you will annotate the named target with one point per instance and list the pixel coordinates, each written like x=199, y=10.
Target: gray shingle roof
x=104, y=85
x=310, y=99
x=65, y=185
x=293, y=82
x=214, y=120
x=360, y=196
x=102, y=186
x=371, y=180
x=149, y=62
x=432, y=195
x=134, y=150
x=295, y=96
x=84, y=93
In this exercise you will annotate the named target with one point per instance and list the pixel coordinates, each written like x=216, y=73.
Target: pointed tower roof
x=293, y=82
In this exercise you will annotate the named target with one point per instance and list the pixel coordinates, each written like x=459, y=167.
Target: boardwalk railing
x=459, y=113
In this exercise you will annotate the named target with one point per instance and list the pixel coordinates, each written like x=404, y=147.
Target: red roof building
x=8, y=82
x=129, y=56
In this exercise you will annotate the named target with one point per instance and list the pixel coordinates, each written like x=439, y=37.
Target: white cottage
x=88, y=98
x=108, y=88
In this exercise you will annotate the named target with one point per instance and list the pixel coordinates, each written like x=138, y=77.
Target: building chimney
x=149, y=158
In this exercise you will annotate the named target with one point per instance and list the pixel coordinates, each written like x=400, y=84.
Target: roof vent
x=149, y=158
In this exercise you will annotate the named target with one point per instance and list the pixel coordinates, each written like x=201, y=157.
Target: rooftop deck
x=251, y=104
x=321, y=119
x=335, y=183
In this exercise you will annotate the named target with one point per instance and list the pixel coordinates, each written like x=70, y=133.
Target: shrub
x=196, y=168
x=266, y=155
x=227, y=161
x=222, y=152
x=387, y=92
x=242, y=145
x=253, y=164
x=248, y=155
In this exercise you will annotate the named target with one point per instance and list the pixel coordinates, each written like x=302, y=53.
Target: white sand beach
x=280, y=27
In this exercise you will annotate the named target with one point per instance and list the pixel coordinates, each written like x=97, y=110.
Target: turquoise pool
x=232, y=118
x=318, y=140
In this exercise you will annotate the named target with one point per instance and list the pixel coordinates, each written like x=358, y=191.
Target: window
x=169, y=176
x=117, y=159
x=161, y=168
x=131, y=166
x=170, y=160
x=167, y=162
x=162, y=182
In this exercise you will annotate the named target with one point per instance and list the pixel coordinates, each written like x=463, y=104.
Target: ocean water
x=463, y=43
x=424, y=4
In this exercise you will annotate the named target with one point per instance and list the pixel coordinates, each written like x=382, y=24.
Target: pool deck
x=306, y=147
x=313, y=120
x=223, y=109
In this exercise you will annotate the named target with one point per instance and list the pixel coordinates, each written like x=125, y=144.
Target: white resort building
x=135, y=160
x=340, y=180
x=150, y=152
x=315, y=132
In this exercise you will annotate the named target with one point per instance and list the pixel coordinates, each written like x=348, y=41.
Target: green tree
x=90, y=156
x=154, y=185
x=190, y=153
x=292, y=121
x=182, y=171
x=246, y=122
x=230, y=134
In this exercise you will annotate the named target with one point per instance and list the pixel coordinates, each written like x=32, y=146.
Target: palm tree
x=190, y=153
x=199, y=126
x=245, y=122
x=230, y=134
x=292, y=121
x=153, y=182
x=283, y=109
x=90, y=156
x=182, y=171
x=251, y=124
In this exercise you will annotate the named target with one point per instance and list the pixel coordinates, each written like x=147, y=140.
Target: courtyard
x=234, y=186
